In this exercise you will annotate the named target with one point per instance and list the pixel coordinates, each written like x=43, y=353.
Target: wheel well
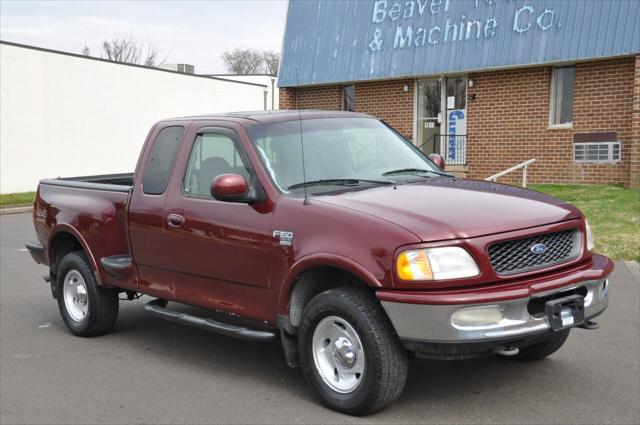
x=313, y=281
x=62, y=244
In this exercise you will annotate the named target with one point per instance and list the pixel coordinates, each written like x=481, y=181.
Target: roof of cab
x=252, y=118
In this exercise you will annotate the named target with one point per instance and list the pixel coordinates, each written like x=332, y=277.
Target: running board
x=159, y=308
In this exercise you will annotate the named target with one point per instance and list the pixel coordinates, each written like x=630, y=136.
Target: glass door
x=429, y=115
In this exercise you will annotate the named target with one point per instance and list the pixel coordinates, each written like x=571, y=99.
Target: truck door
x=218, y=251
x=147, y=212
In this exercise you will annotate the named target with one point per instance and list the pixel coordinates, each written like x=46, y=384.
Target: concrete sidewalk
x=15, y=210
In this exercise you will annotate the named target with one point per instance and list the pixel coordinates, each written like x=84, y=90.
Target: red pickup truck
x=330, y=232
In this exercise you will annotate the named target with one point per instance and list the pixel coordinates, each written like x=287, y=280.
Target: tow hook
x=590, y=325
x=507, y=351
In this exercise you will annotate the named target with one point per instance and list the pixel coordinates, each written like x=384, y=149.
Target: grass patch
x=24, y=198
x=613, y=213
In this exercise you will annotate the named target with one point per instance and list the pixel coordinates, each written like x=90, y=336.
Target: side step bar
x=159, y=308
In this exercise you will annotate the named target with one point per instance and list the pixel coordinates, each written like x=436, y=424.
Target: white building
x=66, y=115
x=271, y=100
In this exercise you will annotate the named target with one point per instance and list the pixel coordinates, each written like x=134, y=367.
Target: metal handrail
x=515, y=167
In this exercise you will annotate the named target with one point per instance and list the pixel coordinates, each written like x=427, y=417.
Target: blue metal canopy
x=330, y=41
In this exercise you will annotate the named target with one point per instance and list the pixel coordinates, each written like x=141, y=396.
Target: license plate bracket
x=565, y=312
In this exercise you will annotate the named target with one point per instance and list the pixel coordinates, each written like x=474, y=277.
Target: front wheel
x=349, y=352
x=543, y=349
x=86, y=308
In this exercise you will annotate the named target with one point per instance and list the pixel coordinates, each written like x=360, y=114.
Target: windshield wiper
x=416, y=171
x=338, y=182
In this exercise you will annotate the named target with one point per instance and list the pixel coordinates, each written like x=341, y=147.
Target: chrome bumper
x=506, y=319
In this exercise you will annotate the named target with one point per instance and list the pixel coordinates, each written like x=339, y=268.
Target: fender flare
x=66, y=228
x=318, y=260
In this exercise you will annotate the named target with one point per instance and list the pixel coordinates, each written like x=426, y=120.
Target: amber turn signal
x=414, y=265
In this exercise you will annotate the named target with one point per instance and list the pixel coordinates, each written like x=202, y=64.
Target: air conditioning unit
x=185, y=68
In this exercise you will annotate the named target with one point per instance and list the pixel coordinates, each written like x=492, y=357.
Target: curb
x=634, y=267
x=16, y=210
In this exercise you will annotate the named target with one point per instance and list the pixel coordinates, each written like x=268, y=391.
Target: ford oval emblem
x=538, y=248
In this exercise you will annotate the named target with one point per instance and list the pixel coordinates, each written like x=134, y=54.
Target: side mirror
x=230, y=188
x=438, y=160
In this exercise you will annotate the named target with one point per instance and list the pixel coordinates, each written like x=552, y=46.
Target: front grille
x=518, y=255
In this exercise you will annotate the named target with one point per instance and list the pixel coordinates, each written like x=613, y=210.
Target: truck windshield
x=337, y=149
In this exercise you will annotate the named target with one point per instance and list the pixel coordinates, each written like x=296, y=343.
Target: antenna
x=304, y=171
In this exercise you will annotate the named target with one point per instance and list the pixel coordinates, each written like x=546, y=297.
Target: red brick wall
x=324, y=97
x=389, y=102
x=509, y=122
x=634, y=160
x=385, y=100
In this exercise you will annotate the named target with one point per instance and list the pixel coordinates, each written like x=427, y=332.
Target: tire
x=341, y=313
x=86, y=308
x=543, y=349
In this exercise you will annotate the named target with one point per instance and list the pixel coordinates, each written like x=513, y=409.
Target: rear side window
x=160, y=161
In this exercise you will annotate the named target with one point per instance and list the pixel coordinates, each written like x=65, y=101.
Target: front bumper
x=507, y=313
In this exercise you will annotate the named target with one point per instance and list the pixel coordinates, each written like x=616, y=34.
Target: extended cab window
x=160, y=161
x=212, y=154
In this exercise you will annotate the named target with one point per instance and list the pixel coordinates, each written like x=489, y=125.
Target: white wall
x=259, y=79
x=67, y=116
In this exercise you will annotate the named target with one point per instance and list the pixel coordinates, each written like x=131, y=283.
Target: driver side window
x=212, y=154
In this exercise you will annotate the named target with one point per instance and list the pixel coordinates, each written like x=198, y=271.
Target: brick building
x=487, y=84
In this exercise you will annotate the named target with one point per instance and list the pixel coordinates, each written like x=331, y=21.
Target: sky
x=194, y=32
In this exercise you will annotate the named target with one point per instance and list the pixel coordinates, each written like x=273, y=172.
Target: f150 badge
x=286, y=238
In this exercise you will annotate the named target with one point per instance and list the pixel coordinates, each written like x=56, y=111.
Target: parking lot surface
x=153, y=371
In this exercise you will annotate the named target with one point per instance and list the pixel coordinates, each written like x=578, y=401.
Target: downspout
x=265, y=92
x=273, y=94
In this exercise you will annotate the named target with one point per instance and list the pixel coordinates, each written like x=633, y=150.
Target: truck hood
x=440, y=209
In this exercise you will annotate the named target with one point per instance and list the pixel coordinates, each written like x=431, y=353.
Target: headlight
x=449, y=262
x=590, y=243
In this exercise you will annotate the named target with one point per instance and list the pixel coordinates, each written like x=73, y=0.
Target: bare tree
x=271, y=62
x=128, y=50
x=242, y=61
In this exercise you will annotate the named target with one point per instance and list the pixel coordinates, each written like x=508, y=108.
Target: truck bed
x=94, y=210
x=110, y=182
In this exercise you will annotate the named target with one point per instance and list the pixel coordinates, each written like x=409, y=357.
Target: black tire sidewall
x=77, y=261
x=352, y=402
x=544, y=349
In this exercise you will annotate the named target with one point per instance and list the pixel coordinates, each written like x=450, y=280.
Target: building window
x=596, y=152
x=349, y=98
x=562, y=80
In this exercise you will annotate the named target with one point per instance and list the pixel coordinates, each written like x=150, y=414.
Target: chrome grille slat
x=515, y=256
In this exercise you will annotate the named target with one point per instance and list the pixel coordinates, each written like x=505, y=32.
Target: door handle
x=175, y=220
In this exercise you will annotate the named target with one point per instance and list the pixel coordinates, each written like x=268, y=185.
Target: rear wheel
x=86, y=308
x=349, y=352
x=543, y=349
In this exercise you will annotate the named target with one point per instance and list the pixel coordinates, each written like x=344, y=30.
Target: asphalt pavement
x=152, y=371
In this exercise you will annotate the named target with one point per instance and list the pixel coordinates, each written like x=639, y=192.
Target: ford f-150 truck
x=330, y=232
